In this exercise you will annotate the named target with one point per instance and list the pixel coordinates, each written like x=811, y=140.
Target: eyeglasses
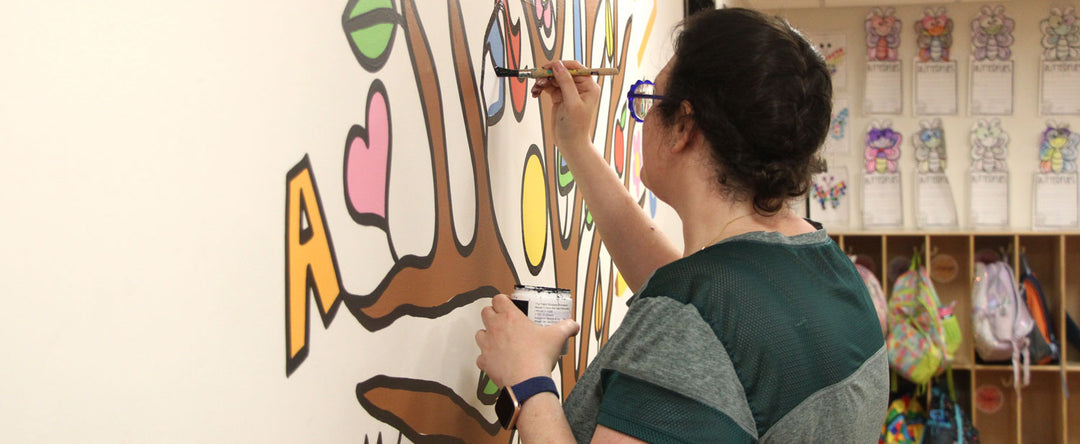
x=640, y=99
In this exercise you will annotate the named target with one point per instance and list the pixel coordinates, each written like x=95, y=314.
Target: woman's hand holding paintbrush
x=574, y=101
x=541, y=73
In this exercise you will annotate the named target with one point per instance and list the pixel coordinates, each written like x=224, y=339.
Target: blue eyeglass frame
x=631, y=95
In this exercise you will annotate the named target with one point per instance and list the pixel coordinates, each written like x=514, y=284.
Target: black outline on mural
x=356, y=304
x=418, y=386
x=503, y=87
x=534, y=151
x=513, y=60
x=467, y=248
x=325, y=313
x=484, y=397
x=547, y=33
x=357, y=131
x=373, y=17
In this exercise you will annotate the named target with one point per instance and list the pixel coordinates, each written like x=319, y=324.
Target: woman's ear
x=685, y=127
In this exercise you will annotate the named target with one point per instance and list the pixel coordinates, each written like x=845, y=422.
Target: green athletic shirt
x=759, y=338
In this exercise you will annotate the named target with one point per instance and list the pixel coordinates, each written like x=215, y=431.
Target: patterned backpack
x=905, y=422
x=923, y=337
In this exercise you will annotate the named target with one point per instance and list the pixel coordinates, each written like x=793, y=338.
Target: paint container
x=544, y=305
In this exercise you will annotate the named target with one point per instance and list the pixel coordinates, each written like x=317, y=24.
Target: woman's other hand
x=574, y=100
x=514, y=348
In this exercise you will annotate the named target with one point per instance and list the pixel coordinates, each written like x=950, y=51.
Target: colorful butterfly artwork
x=882, y=35
x=989, y=147
x=1057, y=153
x=839, y=125
x=828, y=190
x=991, y=34
x=882, y=148
x=934, y=35
x=929, y=144
x=1061, y=35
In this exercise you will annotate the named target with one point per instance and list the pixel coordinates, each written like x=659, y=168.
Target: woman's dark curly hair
x=762, y=96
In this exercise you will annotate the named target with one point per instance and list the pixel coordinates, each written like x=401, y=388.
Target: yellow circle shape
x=534, y=223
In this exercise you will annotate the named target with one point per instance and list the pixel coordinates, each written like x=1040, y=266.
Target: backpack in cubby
x=1044, y=343
x=877, y=294
x=1001, y=319
x=946, y=422
x=905, y=421
x=923, y=336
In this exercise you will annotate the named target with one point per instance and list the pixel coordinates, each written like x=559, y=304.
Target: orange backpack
x=1044, y=344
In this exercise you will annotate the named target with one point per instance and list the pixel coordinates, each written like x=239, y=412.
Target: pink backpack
x=1001, y=319
x=877, y=294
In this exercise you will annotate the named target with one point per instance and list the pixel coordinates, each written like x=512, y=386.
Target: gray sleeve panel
x=851, y=410
x=668, y=344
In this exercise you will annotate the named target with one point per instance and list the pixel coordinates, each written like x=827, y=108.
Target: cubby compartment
x=1071, y=302
x=1002, y=245
x=1072, y=413
x=995, y=407
x=950, y=270
x=898, y=252
x=1040, y=415
x=868, y=246
x=1037, y=413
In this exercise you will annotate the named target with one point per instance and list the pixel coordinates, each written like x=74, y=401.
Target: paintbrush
x=541, y=73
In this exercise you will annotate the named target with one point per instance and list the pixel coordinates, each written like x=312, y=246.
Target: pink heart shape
x=367, y=155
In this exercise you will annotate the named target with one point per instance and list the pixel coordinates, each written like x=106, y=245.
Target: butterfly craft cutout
x=989, y=147
x=828, y=191
x=882, y=148
x=1061, y=35
x=882, y=35
x=1058, y=150
x=929, y=145
x=934, y=35
x=991, y=34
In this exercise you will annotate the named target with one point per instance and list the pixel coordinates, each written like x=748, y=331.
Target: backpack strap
x=1021, y=357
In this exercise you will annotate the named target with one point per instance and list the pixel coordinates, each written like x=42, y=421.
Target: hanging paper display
x=838, y=140
x=1060, y=83
x=1055, y=201
x=935, y=74
x=883, y=93
x=882, y=200
x=992, y=67
x=829, y=198
x=833, y=47
x=989, y=175
x=933, y=194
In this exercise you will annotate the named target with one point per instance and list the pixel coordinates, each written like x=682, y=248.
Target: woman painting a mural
x=760, y=329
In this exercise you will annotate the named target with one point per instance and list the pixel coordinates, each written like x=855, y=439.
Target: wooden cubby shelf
x=1047, y=410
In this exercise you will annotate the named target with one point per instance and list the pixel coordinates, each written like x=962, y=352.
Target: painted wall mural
x=452, y=165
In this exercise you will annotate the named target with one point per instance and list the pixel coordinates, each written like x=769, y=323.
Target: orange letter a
x=310, y=263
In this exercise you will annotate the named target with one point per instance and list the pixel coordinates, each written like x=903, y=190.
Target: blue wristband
x=508, y=405
x=528, y=388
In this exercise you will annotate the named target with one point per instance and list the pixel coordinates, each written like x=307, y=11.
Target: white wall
x=1025, y=126
x=145, y=153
